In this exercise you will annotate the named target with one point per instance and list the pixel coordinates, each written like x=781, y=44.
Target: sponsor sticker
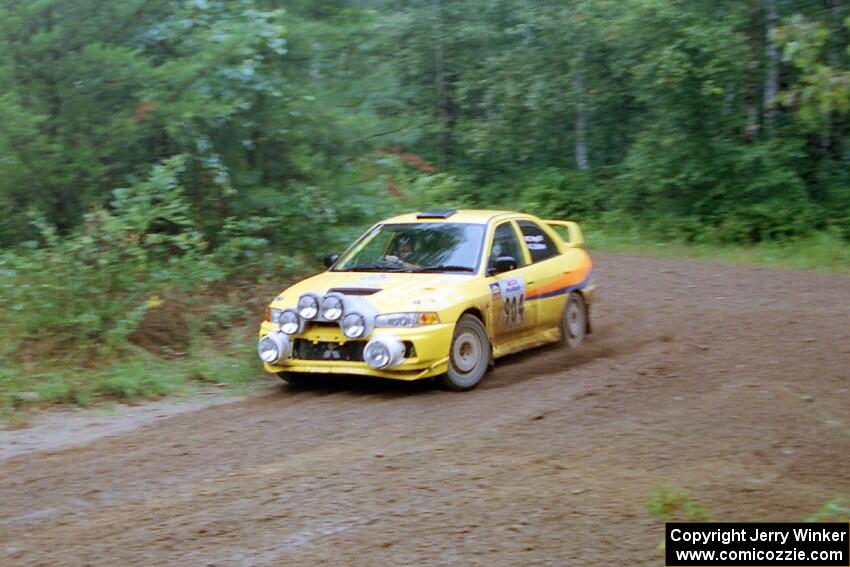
x=513, y=296
x=495, y=290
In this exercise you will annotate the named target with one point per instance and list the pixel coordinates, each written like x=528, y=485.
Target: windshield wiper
x=444, y=268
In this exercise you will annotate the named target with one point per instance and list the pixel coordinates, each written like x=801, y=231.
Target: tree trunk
x=440, y=80
x=581, y=112
x=752, y=75
x=835, y=47
x=771, y=87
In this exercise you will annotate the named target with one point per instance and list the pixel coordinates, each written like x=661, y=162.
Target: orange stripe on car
x=562, y=283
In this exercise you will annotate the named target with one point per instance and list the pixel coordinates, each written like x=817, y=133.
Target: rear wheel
x=469, y=354
x=574, y=321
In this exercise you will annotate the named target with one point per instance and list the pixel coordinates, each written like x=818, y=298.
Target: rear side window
x=538, y=242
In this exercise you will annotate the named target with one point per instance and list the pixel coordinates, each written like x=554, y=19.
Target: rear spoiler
x=576, y=239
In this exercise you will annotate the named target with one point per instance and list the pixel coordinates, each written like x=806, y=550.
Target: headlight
x=353, y=325
x=331, y=308
x=407, y=319
x=289, y=322
x=274, y=315
x=308, y=307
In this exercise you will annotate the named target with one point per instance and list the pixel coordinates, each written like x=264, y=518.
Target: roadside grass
x=137, y=375
x=185, y=341
x=821, y=251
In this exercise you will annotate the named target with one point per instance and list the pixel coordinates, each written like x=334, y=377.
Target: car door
x=545, y=272
x=510, y=314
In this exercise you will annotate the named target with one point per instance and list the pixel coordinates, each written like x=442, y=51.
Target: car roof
x=471, y=216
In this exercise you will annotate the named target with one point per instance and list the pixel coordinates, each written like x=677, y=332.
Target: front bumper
x=429, y=358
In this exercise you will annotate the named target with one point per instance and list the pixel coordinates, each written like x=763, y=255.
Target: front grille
x=325, y=350
x=303, y=349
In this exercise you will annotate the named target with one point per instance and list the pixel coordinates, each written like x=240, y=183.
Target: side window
x=506, y=243
x=538, y=242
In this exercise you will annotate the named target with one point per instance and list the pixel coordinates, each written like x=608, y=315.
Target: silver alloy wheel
x=469, y=354
x=574, y=323
x=466, y=351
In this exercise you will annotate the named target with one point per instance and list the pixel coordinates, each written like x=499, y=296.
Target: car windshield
x=419, y=247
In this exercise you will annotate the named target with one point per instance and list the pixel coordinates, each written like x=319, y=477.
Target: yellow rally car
x=439, y=293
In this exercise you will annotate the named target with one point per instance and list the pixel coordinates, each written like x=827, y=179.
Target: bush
x=562, y=194
x=90, y=289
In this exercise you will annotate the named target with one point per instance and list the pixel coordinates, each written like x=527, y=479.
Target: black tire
x=574, y=321
x=294, y=379
x=469, y=355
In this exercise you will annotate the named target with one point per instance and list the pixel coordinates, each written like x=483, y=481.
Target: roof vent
x=436, y=214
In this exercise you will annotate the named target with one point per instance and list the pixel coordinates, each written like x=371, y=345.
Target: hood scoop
x=354, y=290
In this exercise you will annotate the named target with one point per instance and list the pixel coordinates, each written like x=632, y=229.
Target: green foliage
x=136, y=375
x=821, y=89
x=837, y=510
x=554, y=193
x=668, y=503
x=282, y=116
x=93, y=287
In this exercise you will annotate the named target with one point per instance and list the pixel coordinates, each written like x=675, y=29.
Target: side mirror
x=331, y=260
x=504, y=264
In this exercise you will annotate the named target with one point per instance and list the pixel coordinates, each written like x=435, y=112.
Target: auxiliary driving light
x=308, y=306
x=274, y=348
x=384, y=351
x=354, y=325
x=290, y=323
x=331, y=308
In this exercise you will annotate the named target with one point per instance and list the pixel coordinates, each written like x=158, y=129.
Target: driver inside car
x=403, y=253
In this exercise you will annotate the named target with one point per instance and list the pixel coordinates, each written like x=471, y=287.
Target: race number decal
x=513, y=298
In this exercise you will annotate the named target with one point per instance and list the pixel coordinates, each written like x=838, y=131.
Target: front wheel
x=574, y=321
x=469, y=354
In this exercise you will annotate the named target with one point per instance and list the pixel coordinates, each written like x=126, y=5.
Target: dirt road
x=731, y=383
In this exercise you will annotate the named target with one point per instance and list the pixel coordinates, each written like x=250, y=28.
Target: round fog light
x=267, y=349
x=308, y=307
x=354, y=325
x=376, y=355
x=332, y=308
x=289, y=322
x=274, y=348
x=384, y=351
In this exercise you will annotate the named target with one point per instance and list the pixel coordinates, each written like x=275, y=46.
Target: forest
x=159, y=157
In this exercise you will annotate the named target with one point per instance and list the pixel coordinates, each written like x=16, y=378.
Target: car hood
x=388, y=292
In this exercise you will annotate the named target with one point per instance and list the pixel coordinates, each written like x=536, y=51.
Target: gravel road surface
x=731, y=383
